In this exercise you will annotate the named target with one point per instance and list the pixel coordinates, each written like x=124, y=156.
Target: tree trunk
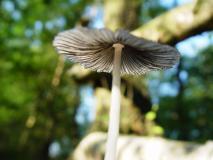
x=145, y=148
x=121, y=14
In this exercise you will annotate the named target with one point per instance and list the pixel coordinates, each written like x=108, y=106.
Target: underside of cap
x=93, y=48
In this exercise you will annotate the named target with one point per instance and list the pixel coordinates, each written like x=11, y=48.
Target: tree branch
x=179, y=23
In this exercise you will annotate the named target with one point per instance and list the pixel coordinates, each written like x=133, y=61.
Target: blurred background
x=48, y=104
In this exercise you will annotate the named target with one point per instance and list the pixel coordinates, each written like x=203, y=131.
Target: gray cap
x=93, y=48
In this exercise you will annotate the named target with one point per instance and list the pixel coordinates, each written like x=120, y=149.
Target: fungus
x=118, y=52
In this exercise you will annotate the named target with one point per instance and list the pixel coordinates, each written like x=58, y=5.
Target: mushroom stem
x=114, y=118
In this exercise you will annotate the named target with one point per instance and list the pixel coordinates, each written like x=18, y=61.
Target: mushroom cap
x=93, y=48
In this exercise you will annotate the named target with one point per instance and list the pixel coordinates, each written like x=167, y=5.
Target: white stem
x=114, y=118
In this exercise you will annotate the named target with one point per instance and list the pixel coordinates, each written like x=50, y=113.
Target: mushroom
x=118, y=52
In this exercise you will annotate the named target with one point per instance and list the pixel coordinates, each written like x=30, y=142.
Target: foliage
x=36, y=111
x=188, y=116
x=33, y=111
